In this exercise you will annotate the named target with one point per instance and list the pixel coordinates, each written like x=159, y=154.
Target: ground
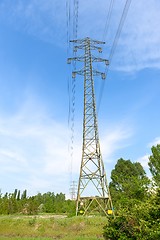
x=47, y=227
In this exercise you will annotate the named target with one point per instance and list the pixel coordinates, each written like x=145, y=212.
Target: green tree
x=24, y=194
x=60, y=203
x=18, y=195
x=128, y=181
x=154, y=164
x=49, y=202
x=15, y=193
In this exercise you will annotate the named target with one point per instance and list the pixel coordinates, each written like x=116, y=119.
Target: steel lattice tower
x=93, y=194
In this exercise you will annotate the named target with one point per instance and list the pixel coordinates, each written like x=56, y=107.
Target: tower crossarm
x=98, y=59
x=84, y=41
x=94, y=73
x=80, y=59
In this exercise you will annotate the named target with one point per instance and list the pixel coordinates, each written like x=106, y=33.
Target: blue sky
x=34, y=133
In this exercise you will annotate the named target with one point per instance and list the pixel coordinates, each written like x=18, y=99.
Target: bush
x=142, y=222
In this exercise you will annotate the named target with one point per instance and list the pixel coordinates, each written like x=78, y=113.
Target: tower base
x=94, y=206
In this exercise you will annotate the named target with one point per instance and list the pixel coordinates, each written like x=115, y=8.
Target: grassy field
x=51, y=227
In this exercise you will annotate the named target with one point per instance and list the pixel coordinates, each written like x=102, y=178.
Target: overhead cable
x=73, y=83
x=69, y=83
x=108, y=20
x=115, y=42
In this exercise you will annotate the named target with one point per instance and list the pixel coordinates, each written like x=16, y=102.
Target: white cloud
x=144, y=160
x=116, y=138
x=113, y=139
x=154, y=142
x=33, y=145
x=138, y=45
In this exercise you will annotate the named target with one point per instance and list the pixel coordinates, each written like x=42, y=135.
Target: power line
x=68, y=23
x=72, y=88
x=75, y=19
x=115, y=42
x=121, y=23
x=69, y=84
x=108, y=20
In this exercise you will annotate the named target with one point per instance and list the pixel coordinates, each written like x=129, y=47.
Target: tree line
x=17, y=203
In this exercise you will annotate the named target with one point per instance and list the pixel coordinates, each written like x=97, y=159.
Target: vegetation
x=154, y=164
x=129, y=181
x=136, y=201
x=13, y=203
x=141, y=221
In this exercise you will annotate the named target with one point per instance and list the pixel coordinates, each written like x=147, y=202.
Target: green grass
x=31, y=228
x=19, y=238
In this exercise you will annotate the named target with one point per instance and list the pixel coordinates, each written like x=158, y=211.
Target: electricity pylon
x=73, y=190
x=93, y=196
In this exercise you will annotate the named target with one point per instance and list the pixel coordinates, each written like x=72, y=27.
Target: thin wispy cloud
x=39, y=18
x=34, y=144
x=35, y=147
x=154, y=142
x=138, y=46
x=144, y=161
x=139, y=42
x=115, y=139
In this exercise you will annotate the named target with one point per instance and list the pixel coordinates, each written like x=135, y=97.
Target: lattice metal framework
x=93, y=195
